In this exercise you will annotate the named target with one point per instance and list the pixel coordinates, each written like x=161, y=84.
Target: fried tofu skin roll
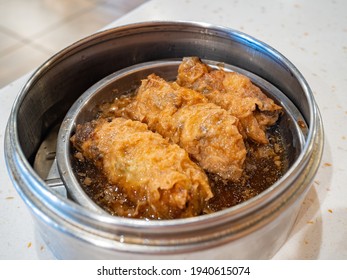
x=233, y=92
x=207, y=132
x=157, y=178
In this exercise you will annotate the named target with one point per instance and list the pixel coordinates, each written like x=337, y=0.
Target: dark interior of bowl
x=52, y=90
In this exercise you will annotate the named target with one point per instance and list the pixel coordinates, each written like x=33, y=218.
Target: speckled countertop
x=311, y=34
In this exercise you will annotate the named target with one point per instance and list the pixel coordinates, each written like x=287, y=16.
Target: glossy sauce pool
x=264, y=165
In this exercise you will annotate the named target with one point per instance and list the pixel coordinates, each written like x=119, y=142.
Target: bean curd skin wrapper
x=233, y=92
x=207, y=132
x=157, y=178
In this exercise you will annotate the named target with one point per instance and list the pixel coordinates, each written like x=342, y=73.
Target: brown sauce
x=264, y=165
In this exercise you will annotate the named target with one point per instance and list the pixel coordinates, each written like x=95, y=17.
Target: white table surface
x=313, y=35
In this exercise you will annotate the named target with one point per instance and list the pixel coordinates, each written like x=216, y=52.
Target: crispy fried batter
x=233, y=92
x=157, y=177
x=207, y=132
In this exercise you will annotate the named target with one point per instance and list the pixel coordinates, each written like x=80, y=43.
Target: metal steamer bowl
x=126, y=81
x=80, y=76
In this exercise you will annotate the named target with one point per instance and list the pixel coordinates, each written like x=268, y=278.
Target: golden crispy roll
x=157, y=177
x=207, y=132
x=233, y=92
